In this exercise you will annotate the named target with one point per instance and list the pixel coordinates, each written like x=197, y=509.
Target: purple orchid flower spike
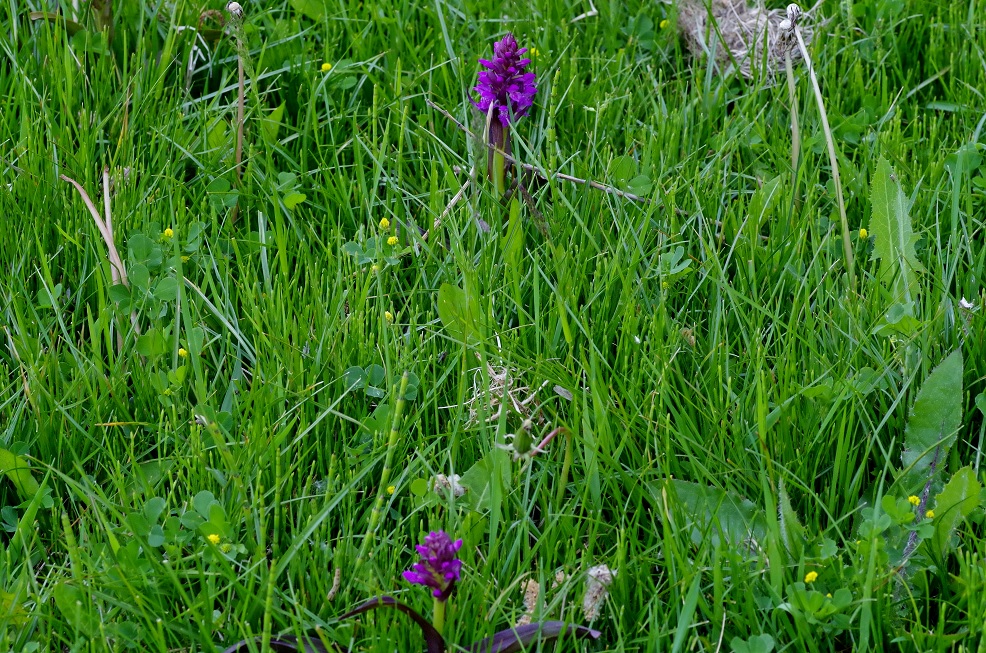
x=505, y=85
x=439, y=567
x=506, y=93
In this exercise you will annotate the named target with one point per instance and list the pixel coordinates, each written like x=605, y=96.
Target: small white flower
x=966, y=304
x=235, y=9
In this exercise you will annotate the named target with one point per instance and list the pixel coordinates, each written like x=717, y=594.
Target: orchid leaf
x=517, y=639
x=433, y=639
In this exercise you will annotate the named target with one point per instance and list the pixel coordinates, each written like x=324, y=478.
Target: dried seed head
x=532, y=590
x=598, y=580
x=794, y=13
x=443, y=484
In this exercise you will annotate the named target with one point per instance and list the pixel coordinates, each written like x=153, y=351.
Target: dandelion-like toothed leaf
x=433, y=639
x=517, y=639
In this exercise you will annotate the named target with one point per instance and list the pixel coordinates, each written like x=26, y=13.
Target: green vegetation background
x=710, y=334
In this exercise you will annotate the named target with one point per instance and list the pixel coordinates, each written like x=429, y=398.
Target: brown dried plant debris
x=753, y=37
x=503, y=393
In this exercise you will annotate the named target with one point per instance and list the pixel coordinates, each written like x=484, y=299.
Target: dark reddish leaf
x=283, y=644
x=433, y=639
x=515, y=639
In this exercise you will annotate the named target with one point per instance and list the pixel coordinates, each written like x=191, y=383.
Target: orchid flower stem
x=385, y=474
x=499, y=173
x=438, y=616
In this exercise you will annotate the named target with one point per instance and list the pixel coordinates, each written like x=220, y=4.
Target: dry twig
x=534, y=170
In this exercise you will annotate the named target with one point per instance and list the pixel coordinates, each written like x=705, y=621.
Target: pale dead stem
x=105, y=226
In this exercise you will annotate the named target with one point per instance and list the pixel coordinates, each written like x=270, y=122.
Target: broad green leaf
x=478, y=480
x=19, y=472
x=893, y=237
x=792, y=532
x=152, y=343
x=354, y=378
x=965, y=160
x=622, y=169
x=459, y=313
x=119, y=293
x=77, y=609
x=12, y=609
x=764, y=201
x=166, y=289
x=140, y=247
x=640, y=185
x=755, y=644
x=419, y=487
x=217, y=137
x=291, y=200
x=153, y=509
x=375, y=375
x=203, y=501
x=933, y=424
x=271, y=124
x=955, y=502
x=314, y=9
x=720, y=515
x=981, y=403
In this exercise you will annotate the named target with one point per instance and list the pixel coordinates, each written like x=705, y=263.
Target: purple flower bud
x=505, y=85
x=439, y=567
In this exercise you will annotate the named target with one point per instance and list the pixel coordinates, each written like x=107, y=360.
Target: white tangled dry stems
x=502, y=393
x=757, y=39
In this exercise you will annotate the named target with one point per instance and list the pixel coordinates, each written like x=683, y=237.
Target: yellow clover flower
x=214, y=538
x=392, y=241
x=326, y=67
x=182, y=352
x=384, y=223
x=811, y=577
x=168, y=233
x=930, y=514
x=391, y=489
x=664, y=23
x=863, y=234
x=388, y=316
x=913, y=500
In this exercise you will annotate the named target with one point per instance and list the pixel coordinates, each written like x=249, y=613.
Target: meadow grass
x=709, y=334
